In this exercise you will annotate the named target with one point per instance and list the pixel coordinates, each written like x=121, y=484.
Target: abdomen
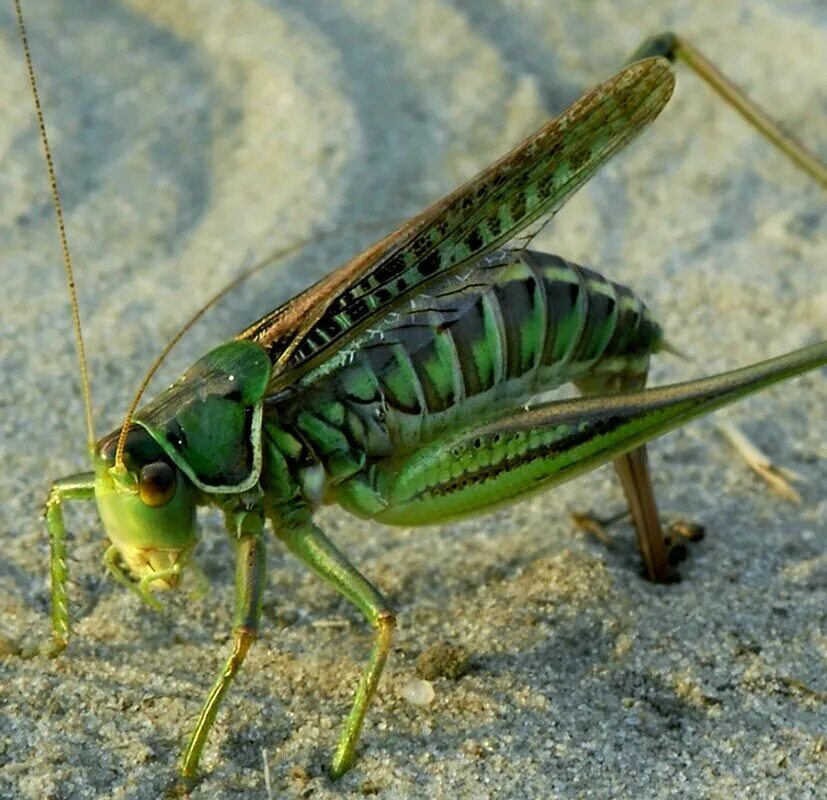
x=473, y=346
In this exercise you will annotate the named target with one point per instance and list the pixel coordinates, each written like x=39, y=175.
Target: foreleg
x=76, y=487
x=249, y=588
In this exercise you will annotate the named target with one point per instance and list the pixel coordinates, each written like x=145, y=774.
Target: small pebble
x=418, y=692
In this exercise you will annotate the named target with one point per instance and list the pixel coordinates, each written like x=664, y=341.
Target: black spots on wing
x=430, y=264
x=519, y=182
x=517, y=207
x=358, y=311
x=316, y=338
x=552, y=151
x=474, y=240
x=546, y=186
x=304, y=350
x=579, y=157
x=498, y=180
x=421, y=245
x=346, y=298
x=390, y=269
x=384, y=295
x=494, y=224
x=329, y=326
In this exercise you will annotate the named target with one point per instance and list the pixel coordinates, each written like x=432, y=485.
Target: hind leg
x=661, y=553
x=673, y=47
x=636, y=479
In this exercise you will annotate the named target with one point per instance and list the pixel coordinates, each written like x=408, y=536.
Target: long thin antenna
x=239, y=279
x=61, y=227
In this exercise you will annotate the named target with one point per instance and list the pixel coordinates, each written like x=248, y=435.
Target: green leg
x=297, y=530
x=676, y=48
x=249, y=587
x=76, y=487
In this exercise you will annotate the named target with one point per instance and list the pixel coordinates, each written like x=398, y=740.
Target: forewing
x=526, y=185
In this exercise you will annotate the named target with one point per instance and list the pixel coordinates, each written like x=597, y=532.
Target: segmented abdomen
x=474, y=346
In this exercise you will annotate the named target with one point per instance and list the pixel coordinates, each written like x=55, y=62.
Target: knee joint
x=386, y=621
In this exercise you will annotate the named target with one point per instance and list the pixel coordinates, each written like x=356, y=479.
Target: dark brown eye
x=156, y=484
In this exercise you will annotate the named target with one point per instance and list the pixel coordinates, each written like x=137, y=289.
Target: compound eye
x=156, y=484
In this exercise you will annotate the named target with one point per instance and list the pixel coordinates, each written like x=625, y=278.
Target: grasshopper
x=398, y=387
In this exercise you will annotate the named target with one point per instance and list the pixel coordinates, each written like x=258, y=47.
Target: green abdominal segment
x=473, y=348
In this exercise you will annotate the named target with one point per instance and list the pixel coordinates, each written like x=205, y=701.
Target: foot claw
x=676, y=534
x=589, y=523
x=340, y=766
x=693, y=531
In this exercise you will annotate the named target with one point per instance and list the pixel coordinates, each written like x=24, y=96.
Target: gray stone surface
x=192, y=137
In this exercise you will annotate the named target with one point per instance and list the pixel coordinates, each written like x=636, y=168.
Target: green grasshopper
x=398, y=387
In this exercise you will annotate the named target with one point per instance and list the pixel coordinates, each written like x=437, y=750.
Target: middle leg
x=297, y=530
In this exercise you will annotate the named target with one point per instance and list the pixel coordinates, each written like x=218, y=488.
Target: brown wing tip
x=656, y=66
x=654, y=76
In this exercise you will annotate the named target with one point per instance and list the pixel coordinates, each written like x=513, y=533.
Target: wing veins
x=526, y=185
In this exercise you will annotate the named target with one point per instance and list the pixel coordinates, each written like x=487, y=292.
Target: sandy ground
x=193, y=137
